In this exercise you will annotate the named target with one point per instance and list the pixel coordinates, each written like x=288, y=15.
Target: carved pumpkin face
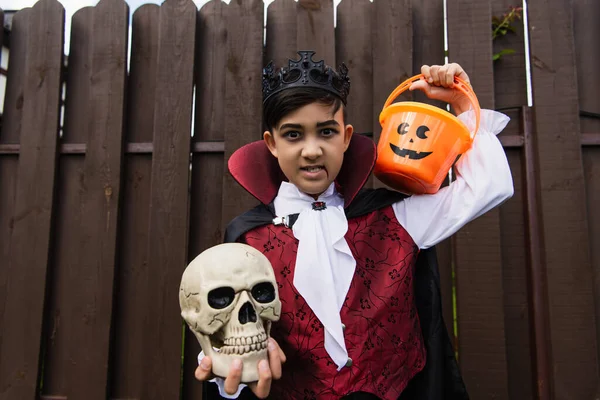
x=416, y=152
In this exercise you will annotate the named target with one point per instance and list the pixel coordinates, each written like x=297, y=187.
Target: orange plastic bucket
x=419, y=143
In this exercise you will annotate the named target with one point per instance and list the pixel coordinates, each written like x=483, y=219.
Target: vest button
x=349, y=362
x=343, y=327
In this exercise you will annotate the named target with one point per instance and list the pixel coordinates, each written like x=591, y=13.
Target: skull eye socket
x=221, y=297
x=263, y=292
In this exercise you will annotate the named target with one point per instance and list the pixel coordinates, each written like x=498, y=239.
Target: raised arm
x=483, y=182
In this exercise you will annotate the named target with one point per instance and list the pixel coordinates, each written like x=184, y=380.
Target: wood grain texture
x=9, y=165
x=207, y=169
x=315, y=30
x=510, y=90
x=100, y=203
x=282, y=32
x=169, y=197
x=8, y=184
x=586, y=14
x=428, y=49
x=67, y=231
x=517, y=312
x=13, y=98
x=510, y=81
x=34, y=200
x=564, y=213
x=243, y=98
x=478, y=255
x=392, y=43
x=132, y=279
x=354, y=48
x=428, y=39
x=591, y=165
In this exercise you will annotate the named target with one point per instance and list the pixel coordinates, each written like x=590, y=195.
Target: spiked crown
x=306, y=73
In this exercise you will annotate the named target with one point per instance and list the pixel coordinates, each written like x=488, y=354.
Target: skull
x=228, y=297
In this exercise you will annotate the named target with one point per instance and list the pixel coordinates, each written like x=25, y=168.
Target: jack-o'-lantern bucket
x=419, y=143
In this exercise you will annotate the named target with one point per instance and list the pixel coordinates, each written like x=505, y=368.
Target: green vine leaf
x=501, y=26
x=503, y=52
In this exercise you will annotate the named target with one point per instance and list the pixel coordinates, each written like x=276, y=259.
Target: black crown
x=306, y=73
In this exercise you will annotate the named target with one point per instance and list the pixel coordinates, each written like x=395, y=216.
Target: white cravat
x=324, y=263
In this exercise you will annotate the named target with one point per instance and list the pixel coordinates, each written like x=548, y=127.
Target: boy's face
x=309, y=145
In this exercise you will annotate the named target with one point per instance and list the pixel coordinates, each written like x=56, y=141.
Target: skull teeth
x=242, y=345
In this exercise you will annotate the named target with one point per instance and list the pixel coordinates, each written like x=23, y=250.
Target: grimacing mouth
x=309, y=167
x=412, y=154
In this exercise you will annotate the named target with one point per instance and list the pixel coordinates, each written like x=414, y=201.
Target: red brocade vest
x=382, y=331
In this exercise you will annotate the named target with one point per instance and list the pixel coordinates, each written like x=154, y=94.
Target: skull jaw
x=221, y=363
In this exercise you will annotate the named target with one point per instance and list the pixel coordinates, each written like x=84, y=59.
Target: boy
x=356, y=269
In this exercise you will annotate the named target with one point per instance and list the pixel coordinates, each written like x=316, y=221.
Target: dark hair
x=287, y=101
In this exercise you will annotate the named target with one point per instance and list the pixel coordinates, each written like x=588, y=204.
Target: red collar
x=254, y=167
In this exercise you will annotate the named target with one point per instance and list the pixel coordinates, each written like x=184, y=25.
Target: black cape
x=440, y=379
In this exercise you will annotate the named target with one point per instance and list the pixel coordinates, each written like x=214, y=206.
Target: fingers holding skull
x=276, y=358
x=204, y=370
x=234, y=378
x=262, y=388
x=268, y=370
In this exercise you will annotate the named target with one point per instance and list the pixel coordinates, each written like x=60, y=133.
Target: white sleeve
x=483, y=181
x=221, y=383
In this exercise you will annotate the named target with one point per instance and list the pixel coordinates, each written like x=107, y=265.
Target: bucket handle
x=459, y=84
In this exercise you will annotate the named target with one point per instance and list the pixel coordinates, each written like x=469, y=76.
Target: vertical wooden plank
x=392, y=54
x=91, y=310
x=510, y=91
x=8, y=185
x=11, y=128
x=470, y=44
x=478, y=255
x=67, y=230
x=510, y=81
x=2, y=32
x=428, y=39
x=281, y=35
x=353, y=47
x=591, y=165
x=315, y=30
x=169, y=198
x=207, y=168
x=516, y=302
x=130, y=357
x=563, y=200
x=586, y=14
x=13, y=99
x=428, y=49
x=31, y=224
x=243, y=105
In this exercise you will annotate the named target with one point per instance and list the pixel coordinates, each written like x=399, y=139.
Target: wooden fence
x=100, y=210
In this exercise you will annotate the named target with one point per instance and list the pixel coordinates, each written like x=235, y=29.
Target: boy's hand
x=439, y=83
x=267, y=371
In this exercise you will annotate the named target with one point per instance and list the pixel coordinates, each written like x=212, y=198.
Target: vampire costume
x=357, y=272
